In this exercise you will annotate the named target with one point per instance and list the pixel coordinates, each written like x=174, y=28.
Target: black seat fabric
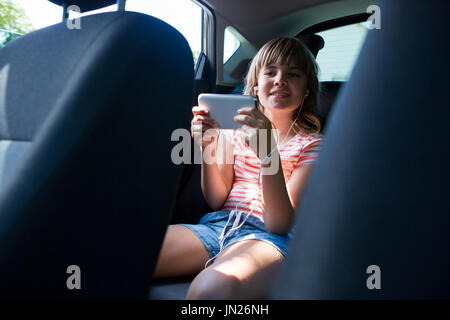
x=379, y=192
x=85, y=154
x=327, y=96
x=313, y=42
x=170, y=288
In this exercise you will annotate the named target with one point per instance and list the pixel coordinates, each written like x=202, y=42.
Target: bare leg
x=182, y=253
x=245, y=270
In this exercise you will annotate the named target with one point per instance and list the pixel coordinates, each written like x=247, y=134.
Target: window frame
x=208, y=43
x=335, y=23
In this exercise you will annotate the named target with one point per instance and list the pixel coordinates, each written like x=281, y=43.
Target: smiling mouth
x=279, y=94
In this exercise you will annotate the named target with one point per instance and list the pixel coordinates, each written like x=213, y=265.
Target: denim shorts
x=212, y=224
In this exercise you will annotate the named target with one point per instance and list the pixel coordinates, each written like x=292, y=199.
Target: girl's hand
x=201, y=123
x=255, y=126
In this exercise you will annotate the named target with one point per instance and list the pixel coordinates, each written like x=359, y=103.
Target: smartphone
x=223, y=107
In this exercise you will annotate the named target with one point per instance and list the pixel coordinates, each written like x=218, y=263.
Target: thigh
x=244, y=270
x=182, y=253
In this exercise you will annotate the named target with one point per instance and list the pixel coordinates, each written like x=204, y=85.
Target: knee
x=213, y=285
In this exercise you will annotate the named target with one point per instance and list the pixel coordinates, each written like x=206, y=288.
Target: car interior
x=86, y=176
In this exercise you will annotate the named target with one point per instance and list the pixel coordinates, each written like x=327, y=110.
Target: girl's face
x=281, y=87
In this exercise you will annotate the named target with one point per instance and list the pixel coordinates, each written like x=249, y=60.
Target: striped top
x=245, y=194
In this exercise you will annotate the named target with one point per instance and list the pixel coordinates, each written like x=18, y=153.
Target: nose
x=280, y=79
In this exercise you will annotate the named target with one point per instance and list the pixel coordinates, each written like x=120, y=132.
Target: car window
x=18, y=17
x=183, y=15
x=230, y=43
x=342, y=47
x=237, y=52
x=14, y=21
x=7, y=36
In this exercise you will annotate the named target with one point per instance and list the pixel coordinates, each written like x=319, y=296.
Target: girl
x=246, y=237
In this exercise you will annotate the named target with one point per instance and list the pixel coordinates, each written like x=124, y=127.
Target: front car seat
x=374, y=222
x=86, y=176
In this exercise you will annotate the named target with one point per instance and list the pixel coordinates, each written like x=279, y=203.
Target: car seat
x=86, y=174
x=374, y=222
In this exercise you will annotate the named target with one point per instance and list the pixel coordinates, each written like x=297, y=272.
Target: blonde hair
x=283, y=51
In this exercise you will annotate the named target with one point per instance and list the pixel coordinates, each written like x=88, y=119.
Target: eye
x=269, y=73
x=294, y=74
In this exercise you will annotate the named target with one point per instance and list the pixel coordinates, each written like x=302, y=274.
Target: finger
x=200, y=110
x=210, y=121
x=205, y=118
x=247, y=110
x=249, y=120
x=197, y=133
x=209, y=133
x=200, y=128
x=249, y=131
x=252, y=112
x=201, y=118
x=205, y=123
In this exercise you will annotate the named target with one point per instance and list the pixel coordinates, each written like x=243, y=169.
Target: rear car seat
x=327, y=95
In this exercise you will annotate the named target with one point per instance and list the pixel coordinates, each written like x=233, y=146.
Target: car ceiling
x=260, y=20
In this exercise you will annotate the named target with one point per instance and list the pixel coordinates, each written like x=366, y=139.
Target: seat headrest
x=313, y=42
x=85, y=5
x=327, y=95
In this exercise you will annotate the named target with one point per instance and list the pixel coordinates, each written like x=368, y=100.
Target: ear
x=255, y=90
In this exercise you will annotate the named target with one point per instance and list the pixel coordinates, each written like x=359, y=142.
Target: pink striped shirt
x=245, y=194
